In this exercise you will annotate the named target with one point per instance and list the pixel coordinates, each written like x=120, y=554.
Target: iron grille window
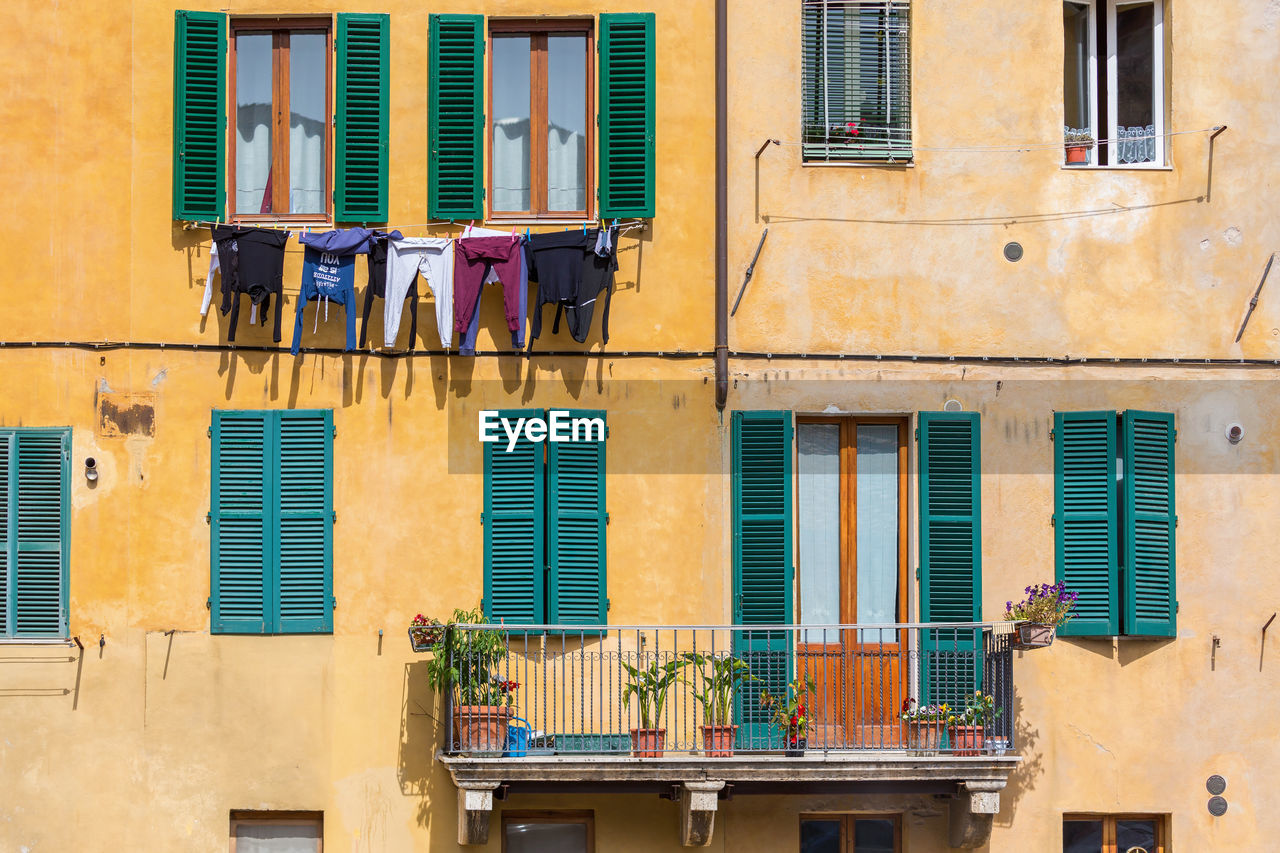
x=856, y=80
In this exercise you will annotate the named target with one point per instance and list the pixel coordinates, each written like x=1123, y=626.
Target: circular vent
x=1217, y=806
x=1216, y=784
x=1013, y=252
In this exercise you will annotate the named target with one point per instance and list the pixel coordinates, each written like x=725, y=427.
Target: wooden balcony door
x=852, y=555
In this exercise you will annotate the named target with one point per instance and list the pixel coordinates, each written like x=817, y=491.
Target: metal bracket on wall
x=1253, y=303
x=751, y=269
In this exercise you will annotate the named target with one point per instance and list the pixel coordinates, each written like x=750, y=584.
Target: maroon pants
x=472, y=259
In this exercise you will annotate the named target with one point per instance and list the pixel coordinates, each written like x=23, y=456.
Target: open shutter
x=626, y=114
x=38, y=461
x=514, y=519
x=576, y=520
x=762, y=570
x=456, y=114
x=240, y=485
x=199, y=114
x=303, y=588
x=1150, y=522
x=360, y=135
x=950, y=554
x=1086, y=526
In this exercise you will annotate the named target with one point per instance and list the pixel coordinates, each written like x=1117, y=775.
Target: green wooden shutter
x=199, y=114
x=303, y=587
x=1150, y=522
x=239, y=517
x=950, y=553
x=626, y=114
x=514, y=521
x=1086, y=525
x=454, y=165
x=8, y=496
x=576, y=521
x=762, y=567
x=360, y=135
x=35, y=531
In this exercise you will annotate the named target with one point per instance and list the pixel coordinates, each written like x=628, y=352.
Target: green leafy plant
x=719, y=678
x=1073, y=136
x=1044, y=605
x=790, y=711
x=650, y=687
x=465, y=660
x=916, y=713
x=979, y=710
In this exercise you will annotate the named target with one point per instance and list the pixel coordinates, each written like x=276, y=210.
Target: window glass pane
x=1075, y=81
x=820, y=836
x=873, y=835
x=877, y=528
x=819, y=529
x=511, y=173
x=1139, y=834
x=546, y=837
x=1082, y=836
x=566, y=122
x=277, y=838
x=307, y=84
x=253, y=123
x=1135, y=93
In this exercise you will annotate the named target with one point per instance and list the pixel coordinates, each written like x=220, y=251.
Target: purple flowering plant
x=1045, y=604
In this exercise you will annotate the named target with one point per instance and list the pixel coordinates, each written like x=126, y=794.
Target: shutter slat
x=627, y=115
x=514, y=519
x=360, y=135
x=199, y=115
x=1086, y=523
x=576, y=532
x=456, y=115
x=1150, y=522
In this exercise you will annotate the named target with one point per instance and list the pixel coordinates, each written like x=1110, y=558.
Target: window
x=856, y=81
x=1113, y=79
x=1113, y=834
x=252, y=135
x=34, y=532
x=271, y=522
x=853, y=833
x=277, y=832
x=545, y=520
x=1115, y=522
x=548, y=832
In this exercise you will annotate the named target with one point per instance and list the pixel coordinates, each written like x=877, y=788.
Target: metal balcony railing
x=669, y=691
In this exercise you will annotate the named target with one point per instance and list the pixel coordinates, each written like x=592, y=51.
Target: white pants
x=433, y=257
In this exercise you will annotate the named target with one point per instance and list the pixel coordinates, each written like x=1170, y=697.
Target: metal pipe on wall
x=722, y=204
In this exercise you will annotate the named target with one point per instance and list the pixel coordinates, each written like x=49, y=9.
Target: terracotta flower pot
x=967, y=740
x=480, y=729
x=1033, y=635
x=648, y=743
x=717, y=741
x=925, y=736
x=1078, y=152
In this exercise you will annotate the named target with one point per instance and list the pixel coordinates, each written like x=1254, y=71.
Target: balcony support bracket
x=475, y=806
x=698, y=801
x=973, y=811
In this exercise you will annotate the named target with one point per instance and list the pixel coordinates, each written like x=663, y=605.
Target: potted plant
x=721, y=677
x=924, y=725
x=465, y=664
x=1039, y=615
x=790, y=712
x=424, y=633
x=967, y=729
x=650, y=686
x=1077, y=144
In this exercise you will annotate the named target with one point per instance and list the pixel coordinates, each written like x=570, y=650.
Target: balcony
x=678, y=710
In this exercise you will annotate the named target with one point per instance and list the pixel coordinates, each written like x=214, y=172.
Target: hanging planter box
x=1032, y=635
x=423, y=637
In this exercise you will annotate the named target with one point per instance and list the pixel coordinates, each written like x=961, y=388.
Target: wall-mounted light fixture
x=91, y=469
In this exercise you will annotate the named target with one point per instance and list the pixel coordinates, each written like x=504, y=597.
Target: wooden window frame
x=294, y=818
x=847, y=819
x=537, y=29
x=279, y=29
x=1161, y=822
x=583, y=816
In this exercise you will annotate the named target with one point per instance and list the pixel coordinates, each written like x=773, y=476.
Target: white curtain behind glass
x=511, y=173
x=277, y=838
x=253, y=121
x=818, y=447
x=566, y=122
x=306, y=122
x=877, y=526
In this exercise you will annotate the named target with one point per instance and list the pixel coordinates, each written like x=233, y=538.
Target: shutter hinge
x=917, y=573
x=606, y=519
x=335, y=432
x=1175, y=521
x=209, y=432
x=917, y=433
x=335, y=516
x=1053, y=521
x=606, y=432
x=482, y=518
x=1175, y=435
x=608, y=605
x=208, y=518
x=208, y=603
x=333, y=602
x=1177, y=605
x=1051, y=435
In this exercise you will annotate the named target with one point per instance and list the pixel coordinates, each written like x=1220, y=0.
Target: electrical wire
x=850, y=144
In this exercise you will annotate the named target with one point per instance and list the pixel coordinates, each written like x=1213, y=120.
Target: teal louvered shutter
x=1150, y=524
x=239, y=518
x=8, y=485
x=36, y=532
x=199, y=114
x=360, y=121
x=303, y=586
x=456, y=114
x=627, y=115
x=1085, y=522
x=514, y=527
x=762, y=566
x=950, y=553
x=576, y=523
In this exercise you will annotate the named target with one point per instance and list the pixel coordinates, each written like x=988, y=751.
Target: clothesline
x=1017, y=148
x=276, y=225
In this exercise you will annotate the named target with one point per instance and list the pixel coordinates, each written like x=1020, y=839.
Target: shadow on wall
x=1123, y=651
x=422, y=732
x=1022, y=780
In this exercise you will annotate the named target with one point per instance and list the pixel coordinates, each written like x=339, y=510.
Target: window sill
x=857, y=164
x=319, y=222
x=1124, y=168
x=36, y=641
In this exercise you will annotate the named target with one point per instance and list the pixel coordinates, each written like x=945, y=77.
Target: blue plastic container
x=517, y=739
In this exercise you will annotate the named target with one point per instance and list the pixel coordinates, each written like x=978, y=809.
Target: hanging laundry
x=475, y=257
x=328, y=275
x=571, y=269
x=379, y=244
x=468, y=346
x=406, y=257
x=208, y=281
x=251, y=261
x=597, y=277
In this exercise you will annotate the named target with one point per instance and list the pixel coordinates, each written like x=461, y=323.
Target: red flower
x=794, y=720
x=852, y=127
x=803, y=710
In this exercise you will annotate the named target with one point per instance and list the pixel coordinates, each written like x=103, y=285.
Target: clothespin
x=515, y=229
x=526, y=234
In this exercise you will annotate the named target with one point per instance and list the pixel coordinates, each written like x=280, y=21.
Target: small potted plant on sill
x=967, y=730
x=721, y=676
x=465, y=662
x=790, y=712
x=650, y=687
x=1040, y=614
x=924, y=725
x=424, y=633
x=1077, y=144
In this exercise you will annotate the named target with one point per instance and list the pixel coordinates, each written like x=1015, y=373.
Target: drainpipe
x=722, y=204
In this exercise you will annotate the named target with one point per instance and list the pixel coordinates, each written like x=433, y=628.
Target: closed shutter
x=360, y=134
x=456, y=115
x=7, y=498
x=1086, y=525
x=304, y=504
x=626, y=114
x=239, y=518
x=1150, y=522
x=762, y=570
x=950, y=553
x=514, y=520
x=576, y=522
x=34, y=532
x=199, y=114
